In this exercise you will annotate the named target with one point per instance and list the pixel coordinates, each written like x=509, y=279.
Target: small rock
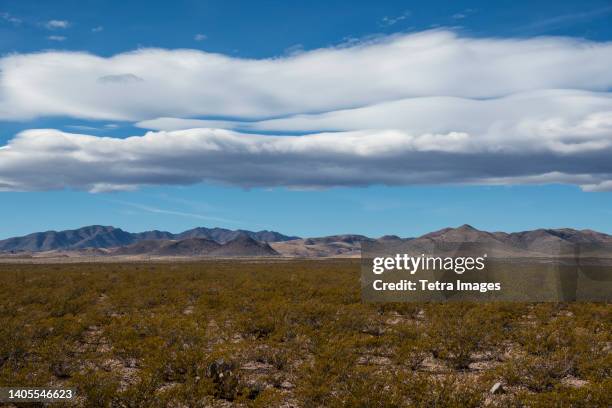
x=497, y=388
x=393, y=321
x=574, y=382
x=286, y=385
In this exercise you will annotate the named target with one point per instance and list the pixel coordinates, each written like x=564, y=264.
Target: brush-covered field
x=287, y=333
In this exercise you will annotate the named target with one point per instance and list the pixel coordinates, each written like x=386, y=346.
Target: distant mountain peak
x=389, y=238
x=467, y=227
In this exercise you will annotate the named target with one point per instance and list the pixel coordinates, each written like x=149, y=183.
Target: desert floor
x=287, y=333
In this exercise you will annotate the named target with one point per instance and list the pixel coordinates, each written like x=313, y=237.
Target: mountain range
x=220, y=242
x=98, y=236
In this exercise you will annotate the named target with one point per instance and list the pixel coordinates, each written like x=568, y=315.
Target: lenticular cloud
x=49, y=159
x=431, y=107
x=150, y=83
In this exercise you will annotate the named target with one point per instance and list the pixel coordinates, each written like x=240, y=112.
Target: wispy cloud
x=10, y=18
x=156, y=210
x=83, y=127
x=295, y=49
x=565, y=20
x=199, y=205
x=200, y=37
x=463, y=14
x=56, y=38
x=97, y=29
x=56, y=24
x=106, y=127
x=388, y=21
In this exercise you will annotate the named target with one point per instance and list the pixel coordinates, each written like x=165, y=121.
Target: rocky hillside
x=97, y=236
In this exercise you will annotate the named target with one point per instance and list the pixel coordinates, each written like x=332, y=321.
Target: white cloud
x=50, y=159
x=187, y=83
x=56, y=38
x=182, y=124
x=603, y=186
x=200, y=37
x=57, y=24
x=97, y=29
x=432, y=107
x=564, y=120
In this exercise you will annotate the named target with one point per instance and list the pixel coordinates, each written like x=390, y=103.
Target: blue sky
x=571, y=189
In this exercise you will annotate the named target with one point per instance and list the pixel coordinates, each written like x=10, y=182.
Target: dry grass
x=287, y=333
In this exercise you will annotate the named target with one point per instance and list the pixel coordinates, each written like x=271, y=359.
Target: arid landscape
x=287, y=333
x=316, y=204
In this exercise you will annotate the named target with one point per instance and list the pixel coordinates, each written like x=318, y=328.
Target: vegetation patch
x=287, y=333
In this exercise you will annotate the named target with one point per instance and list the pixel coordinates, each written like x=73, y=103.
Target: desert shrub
x=195, y=392
x=595, y=362
x=13, y=345
x=365, y=387
x=411, y=346
x=224, y=376
x=311, y=315
x=99, y=389
x=268, y=398
x=143, y=393
x=358, y=319
x=332, y=364
x=259, y=323
x=455, y=331
x=422, y=390
x=277, y=356
x=178, y=365
x=411, y=354
x=597, y=395
x=534, y=372
x=454, y=337
x=576, y=345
